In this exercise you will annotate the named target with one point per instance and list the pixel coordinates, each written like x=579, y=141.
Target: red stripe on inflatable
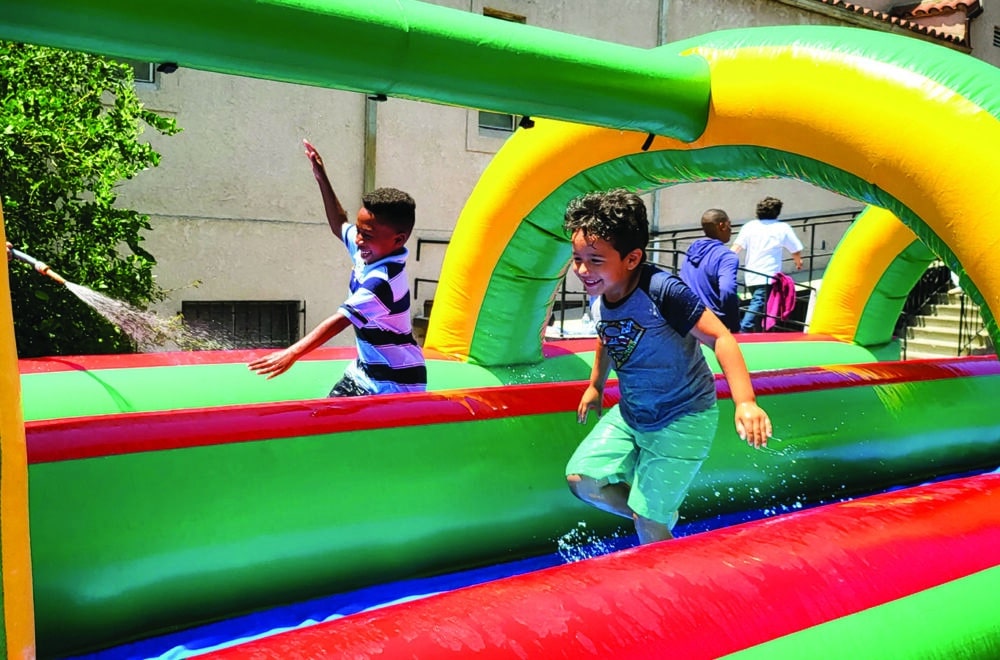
x=105, y=435
x=125, y=433
x=804, y=379
x=702, y=596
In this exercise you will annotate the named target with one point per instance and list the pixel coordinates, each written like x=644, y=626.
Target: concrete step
x=929, y=347
x=945, y=335
x=937, y=334
x=940, y=331
x=951, y=311
x=952, y=323
x=920, y=355
x=917, y=347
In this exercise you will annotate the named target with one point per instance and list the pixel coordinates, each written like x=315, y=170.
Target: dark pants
x=754, y=316
x=347, y=386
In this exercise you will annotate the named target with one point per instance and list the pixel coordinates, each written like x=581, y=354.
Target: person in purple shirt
x=710, y=267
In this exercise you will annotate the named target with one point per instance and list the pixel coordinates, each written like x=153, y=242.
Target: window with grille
x=996, y=36
x=498, y=124
x=246, y=323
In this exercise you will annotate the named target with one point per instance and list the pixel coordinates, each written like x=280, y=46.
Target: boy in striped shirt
x=389, y=358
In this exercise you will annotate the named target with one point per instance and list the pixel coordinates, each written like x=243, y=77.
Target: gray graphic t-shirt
x=662, y=373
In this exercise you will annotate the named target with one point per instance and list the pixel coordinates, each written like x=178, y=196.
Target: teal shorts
x=658, y=465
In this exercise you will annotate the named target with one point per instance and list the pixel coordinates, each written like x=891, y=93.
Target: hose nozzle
x=40, y=266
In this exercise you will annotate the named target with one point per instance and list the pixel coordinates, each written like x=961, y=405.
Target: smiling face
x=376, y=240
x=602, y=270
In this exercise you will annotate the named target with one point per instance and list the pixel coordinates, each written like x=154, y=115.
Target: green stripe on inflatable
x=819, y=457
x=401, y=48
x=953, y=620
x=97, y=392
x=526, y=277
x=213, y=531
x=769, y=355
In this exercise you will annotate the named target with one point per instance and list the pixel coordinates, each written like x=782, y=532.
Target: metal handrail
x=935, y=283
x=668, y=242
x=675, y=238
x=970, y=325
x=932, y=283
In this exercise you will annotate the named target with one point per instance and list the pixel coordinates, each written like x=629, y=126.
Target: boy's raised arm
x=335, y=214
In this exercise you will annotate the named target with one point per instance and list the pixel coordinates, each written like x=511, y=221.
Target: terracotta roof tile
x=942, y=7
x=925, y=8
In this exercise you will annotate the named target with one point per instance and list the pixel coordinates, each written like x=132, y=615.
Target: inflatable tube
x=72, y=387
x=212, y=512
x=810, y=118
x=424, y=52
x=828, y=582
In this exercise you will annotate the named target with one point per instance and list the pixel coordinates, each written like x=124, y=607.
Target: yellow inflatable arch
x=896, y=123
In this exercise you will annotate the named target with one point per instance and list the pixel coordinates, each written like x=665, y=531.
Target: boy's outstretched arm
x=593, y=396
x=278, y=363
x=335, y=214
x=752, y=423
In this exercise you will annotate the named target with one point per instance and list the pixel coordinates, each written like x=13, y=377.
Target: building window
x=498, y=124
x=246, y=323
x=142, y=72
x=996, y=36
x=496, y=121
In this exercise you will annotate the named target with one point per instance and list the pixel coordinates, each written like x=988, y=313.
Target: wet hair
x=616, y=216
x=769, y=208
x=392, y=207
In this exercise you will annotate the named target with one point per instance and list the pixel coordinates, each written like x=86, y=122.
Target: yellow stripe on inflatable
x=15, y=545
x=862, y=257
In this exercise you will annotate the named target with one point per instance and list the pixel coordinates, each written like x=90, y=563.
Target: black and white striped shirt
x=389, y=359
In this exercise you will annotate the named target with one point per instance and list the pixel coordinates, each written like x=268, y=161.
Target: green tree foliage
x=70, y=126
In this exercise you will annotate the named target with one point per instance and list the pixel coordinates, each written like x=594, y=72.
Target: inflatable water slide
x=148, y=493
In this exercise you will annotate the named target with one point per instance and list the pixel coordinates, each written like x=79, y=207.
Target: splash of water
x=581, y=543
x=150, y=332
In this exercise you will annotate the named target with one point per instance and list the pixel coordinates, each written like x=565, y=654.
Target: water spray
x=40, y=266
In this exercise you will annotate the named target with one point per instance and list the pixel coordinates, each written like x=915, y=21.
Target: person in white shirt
x=763, y=240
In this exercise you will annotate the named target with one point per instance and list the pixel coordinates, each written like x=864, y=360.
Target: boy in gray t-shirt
x=641, y=457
